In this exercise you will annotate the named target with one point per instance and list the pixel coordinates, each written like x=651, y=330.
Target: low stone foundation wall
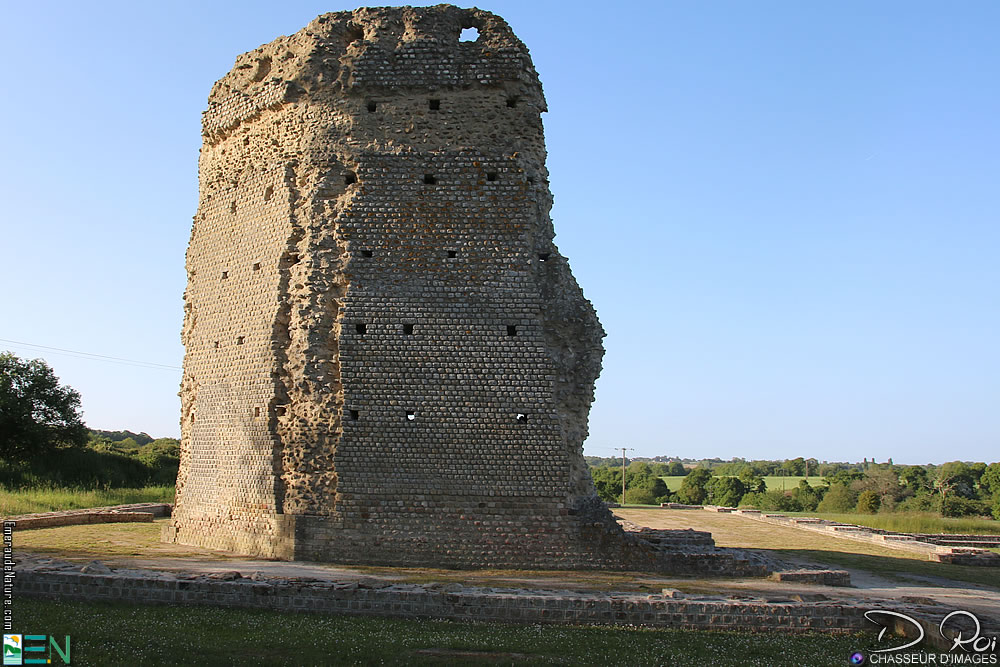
x=452, y=601
x=138, y=512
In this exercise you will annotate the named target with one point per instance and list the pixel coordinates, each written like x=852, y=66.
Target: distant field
x=773, y=482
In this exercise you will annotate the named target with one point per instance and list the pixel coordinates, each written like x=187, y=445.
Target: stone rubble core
x=387, y=359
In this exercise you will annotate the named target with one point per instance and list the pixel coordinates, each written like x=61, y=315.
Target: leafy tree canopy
x=37, y=414
x=692, y=489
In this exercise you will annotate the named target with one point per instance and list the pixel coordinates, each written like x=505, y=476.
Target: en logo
x=33, y=649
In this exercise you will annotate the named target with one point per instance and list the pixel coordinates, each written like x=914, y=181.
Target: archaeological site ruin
x=388, y=361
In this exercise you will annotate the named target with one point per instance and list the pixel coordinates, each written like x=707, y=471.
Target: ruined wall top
x=375, y=49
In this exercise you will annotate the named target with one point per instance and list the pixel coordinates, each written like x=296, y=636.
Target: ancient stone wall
x=387, y=358
x=381, y=598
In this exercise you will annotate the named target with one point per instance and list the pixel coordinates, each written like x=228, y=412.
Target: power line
x=96, y=357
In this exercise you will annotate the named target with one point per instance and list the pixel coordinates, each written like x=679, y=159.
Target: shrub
x=868, y=502
x=924, y=502
x=771, y=501
x=639, y=496
x=840, y=498
x=957, y=506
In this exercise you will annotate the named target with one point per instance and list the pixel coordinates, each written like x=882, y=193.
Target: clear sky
x=785, y=213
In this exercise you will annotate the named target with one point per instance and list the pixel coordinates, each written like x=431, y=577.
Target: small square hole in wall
x=543, y=256
x=350, y=178
x=469, y=34
x=491, y=176
x=372, y=106
x=232, y=207
x=268, y=192
x=367, y=253
x=354, y=33
x=217, y=345
x=408, y=329
x=240, y=339
x=256, y=412
x=280, y=410
x=429, y=179
x=225, y=274
x=353, y=414
x=293, y=258
x=434, y=105
x=511, y=102
x=511, y=330
x=522, y=418
x=410, y=416
x=256, y=266
x=452, y=254
x=361, y=328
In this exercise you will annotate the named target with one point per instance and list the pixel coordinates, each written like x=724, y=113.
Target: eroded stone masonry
x=387, y=359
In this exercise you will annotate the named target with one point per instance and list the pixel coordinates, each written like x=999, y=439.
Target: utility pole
x=623, y=473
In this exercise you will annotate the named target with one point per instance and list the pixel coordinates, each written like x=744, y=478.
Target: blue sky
x=785, y=213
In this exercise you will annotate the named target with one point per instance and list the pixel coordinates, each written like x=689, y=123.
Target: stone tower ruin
x=387, y=359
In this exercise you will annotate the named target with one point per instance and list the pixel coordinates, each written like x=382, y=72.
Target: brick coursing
x=387, y=358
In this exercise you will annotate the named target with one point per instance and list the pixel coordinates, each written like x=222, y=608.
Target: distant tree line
x=100, y=462
x=44, y=442
x=952, y=489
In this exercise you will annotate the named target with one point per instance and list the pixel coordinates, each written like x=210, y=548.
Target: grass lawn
x=913, y=522
x=773, y=482
x=730, y=530
x=117, y=634
x=29, y=501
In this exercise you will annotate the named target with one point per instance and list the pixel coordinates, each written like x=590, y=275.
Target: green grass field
x=913, y=522
x=117, y=634
x=28, y=501
x=773, y=482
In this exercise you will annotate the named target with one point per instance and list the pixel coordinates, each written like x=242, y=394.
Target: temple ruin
x=388, y=360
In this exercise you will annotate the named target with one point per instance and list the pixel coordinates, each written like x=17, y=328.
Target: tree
x=692, y=491
x=840, y=498
x=794, y=467
x=843, y=476
x=676, y=469
x=725, y=491
x=883, y=481
x=752, y=482
x=607, y=483
x=869, y=502
x=989, y=483
x=915, y=478
x=955, y=477
x=806, y=496
x=37, y=414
